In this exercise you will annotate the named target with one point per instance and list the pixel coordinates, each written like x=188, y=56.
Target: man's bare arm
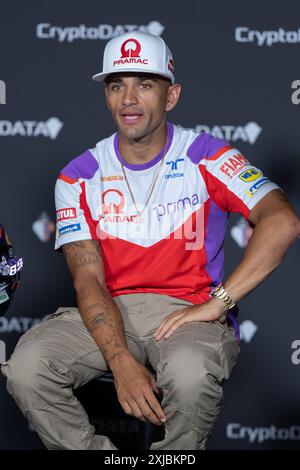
x=276, y=228
x=134, y=383
x=99, y=312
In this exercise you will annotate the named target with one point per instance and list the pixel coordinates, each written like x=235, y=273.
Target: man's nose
x=129, y=96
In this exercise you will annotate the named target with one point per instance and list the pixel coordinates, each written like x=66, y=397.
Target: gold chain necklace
x=140, y=213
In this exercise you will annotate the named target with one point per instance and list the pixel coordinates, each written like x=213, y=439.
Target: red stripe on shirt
x=87, y=213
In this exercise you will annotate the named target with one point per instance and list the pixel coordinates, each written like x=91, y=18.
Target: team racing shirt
x=176, y=247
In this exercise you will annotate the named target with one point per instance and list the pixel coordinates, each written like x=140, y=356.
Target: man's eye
x=115, y=87
x=145, y=85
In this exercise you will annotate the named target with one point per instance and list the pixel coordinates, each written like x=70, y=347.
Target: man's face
x=138, y=102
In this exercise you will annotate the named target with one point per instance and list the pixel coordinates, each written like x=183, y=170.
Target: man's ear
x=173, y=96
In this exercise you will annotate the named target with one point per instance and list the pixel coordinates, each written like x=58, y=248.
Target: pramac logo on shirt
x=109, y=206
x=130, y=53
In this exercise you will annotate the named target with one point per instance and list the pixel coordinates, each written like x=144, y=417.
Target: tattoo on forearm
x=113, y=356
x=96, y=322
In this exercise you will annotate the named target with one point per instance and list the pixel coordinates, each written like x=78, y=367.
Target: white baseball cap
x=137, y=52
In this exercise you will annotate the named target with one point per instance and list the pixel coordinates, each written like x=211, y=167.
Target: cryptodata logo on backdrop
x=259, y=435
x=50, y=128
x=295, y=357
x=296, y=94
x=248, y=133
x=266, y=38
x=101, y=31
x=18, y=324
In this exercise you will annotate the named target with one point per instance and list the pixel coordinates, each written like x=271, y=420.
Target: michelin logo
x=69, y=228
x=262, y=434
x=266, y=38
x=248, y=133
x=102, y=31
x=252, y=190
x=50, y=128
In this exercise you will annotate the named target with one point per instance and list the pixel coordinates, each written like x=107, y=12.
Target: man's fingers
x=148, y=412
x=155, y=406
x=127, y=408
x=168, y=318
x=137, y=412
x=170, y=326
x=154, y=386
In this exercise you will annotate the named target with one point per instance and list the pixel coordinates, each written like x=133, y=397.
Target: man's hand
x=209, y=311
x=135, y=387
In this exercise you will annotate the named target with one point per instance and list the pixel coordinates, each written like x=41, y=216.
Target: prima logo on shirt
x=99, y=32
x=49, y=129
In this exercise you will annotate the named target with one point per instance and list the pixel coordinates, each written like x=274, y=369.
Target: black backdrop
x=238, y=63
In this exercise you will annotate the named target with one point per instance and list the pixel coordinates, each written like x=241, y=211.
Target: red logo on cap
x=129, y=51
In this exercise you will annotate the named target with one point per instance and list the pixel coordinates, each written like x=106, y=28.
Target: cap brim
x=100, y=77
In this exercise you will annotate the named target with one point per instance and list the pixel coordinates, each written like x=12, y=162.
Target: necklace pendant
x=139, y=220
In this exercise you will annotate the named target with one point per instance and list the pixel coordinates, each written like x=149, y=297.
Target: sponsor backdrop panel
x=237, y=64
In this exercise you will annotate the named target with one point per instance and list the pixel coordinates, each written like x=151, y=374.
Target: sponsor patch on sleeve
x=252, y=190
x=66, y=213
x=69, y=228
x=251, y=174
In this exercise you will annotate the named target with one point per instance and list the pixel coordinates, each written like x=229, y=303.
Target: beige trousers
x=55, y=357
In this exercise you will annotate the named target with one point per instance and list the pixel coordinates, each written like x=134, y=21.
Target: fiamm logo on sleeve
x=2, y=92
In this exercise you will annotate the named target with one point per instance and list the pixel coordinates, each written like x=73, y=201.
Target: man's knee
x=31, y=376
x=190, y=377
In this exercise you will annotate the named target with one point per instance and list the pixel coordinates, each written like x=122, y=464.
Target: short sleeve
x=72, y=223
x=233, y=182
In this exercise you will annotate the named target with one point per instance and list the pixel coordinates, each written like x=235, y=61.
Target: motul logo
x=64, y=214
x=130, y=53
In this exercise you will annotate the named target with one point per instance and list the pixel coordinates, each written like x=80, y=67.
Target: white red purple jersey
x=176, y=246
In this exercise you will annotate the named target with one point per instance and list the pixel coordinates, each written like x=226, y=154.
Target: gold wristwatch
x=221, y=293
